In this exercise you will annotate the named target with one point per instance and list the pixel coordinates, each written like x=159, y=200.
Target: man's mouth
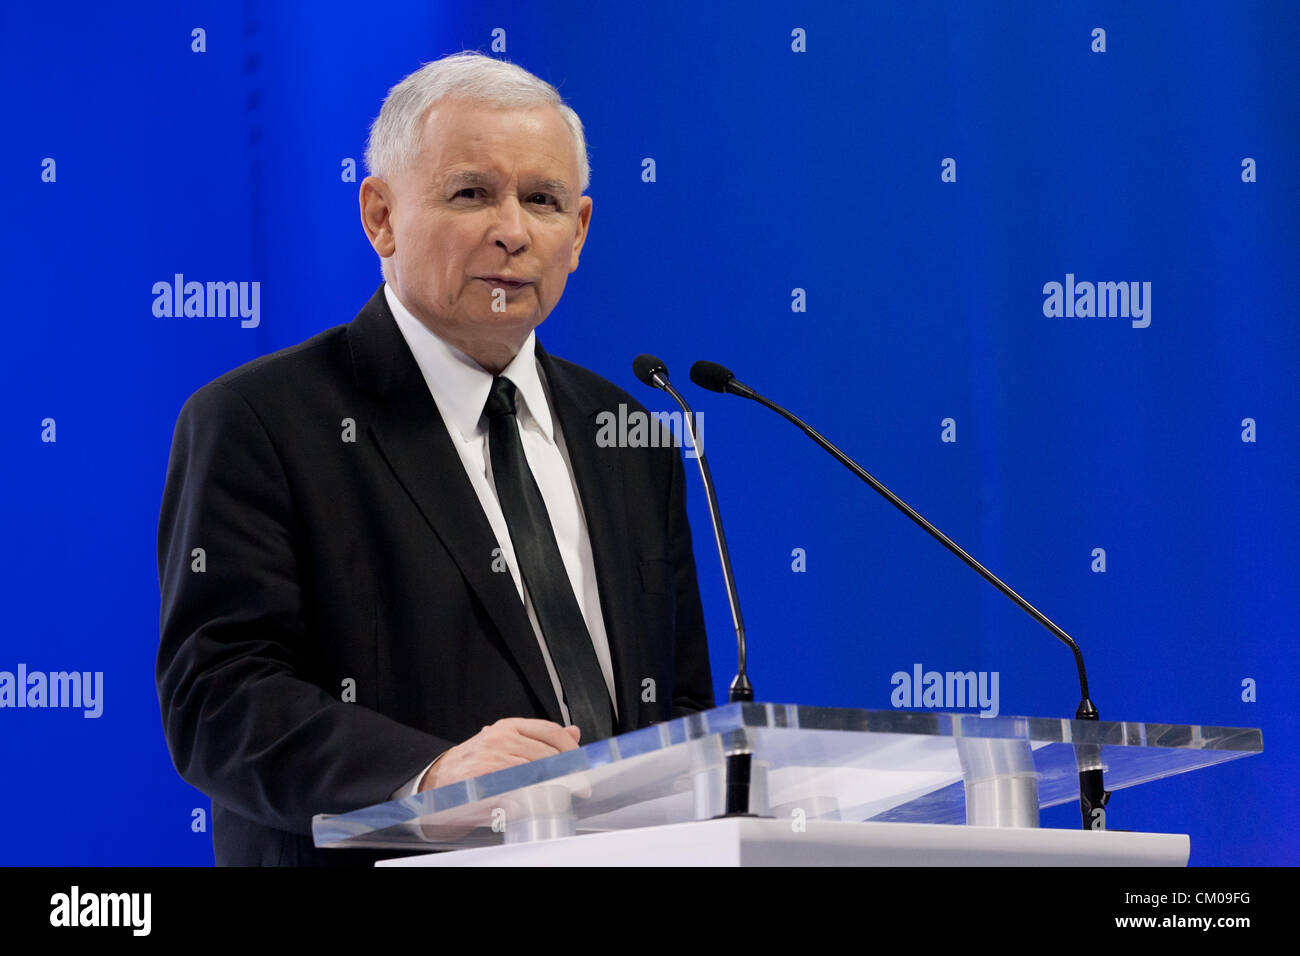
x=501, y=282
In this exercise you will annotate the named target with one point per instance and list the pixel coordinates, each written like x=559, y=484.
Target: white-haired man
x=418, y=564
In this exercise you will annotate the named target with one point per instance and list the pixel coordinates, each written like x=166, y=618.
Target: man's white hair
x=395, y=135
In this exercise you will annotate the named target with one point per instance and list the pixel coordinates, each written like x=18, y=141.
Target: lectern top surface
x=830, y=763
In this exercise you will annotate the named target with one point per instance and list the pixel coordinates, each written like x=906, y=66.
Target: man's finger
x=546, y=731
x=529, y=748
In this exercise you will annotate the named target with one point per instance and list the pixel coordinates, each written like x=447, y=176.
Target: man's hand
x=507, y=743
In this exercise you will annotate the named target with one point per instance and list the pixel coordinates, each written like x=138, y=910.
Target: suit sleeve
x=242, y=723
x=693, y=681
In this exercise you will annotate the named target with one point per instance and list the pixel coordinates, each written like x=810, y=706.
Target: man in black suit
x=398, y=555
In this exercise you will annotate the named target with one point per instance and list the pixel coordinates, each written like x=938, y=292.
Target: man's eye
x=546, y=199
x=467, y=189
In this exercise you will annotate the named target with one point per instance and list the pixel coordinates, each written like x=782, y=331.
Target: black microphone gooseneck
x=654, y=373
x=738, y=764
x=1093, y=797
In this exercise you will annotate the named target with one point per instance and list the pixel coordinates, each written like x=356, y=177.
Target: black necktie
x=542, y=568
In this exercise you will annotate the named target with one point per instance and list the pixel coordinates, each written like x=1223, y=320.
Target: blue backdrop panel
x=857, y=207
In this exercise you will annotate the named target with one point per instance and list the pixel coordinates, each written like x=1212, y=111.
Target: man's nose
x=511, y=228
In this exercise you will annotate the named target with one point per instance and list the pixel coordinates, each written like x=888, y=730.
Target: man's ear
x=584, y=219
x=376, y=200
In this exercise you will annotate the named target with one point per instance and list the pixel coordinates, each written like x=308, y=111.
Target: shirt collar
x=460, y=386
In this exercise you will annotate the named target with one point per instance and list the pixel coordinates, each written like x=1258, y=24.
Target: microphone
x=719, y=378
x=654, y=373
x=738, y=765
x=650, y=370
x=1092, y=795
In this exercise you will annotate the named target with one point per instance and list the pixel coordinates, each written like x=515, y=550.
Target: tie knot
x=501, y=399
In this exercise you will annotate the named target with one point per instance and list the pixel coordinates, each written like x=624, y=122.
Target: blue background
x=776, y=170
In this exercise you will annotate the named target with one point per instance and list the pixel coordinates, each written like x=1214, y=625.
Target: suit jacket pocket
x=656, y=576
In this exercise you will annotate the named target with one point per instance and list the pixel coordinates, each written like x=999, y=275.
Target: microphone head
x=712, y=376
x=647, y=368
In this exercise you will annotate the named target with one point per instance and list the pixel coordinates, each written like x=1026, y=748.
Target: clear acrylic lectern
x=826, y=764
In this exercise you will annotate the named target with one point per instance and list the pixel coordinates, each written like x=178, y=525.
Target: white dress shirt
x=460, y=388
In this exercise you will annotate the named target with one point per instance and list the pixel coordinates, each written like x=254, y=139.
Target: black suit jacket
x=292, y=561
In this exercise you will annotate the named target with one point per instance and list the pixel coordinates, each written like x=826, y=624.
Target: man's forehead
x=479, y=140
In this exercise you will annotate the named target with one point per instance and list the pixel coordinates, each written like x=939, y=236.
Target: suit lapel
x=599, y=476
x=409, y=432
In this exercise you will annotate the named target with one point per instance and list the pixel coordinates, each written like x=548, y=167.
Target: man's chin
x=520, y=317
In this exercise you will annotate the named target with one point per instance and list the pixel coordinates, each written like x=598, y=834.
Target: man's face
x=491, y=197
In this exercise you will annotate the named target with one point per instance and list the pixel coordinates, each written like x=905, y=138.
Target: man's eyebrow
x=471, y=177
x=552, y=185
